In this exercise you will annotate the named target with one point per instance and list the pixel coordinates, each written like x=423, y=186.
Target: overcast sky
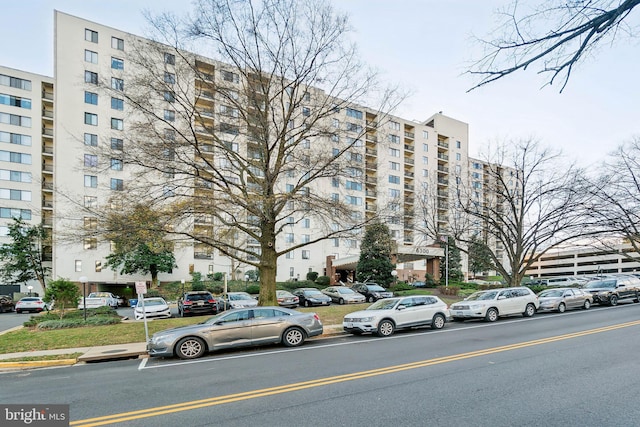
x=424, y=46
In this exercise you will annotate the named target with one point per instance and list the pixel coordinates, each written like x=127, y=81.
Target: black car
x=309, y=297
x=6, y=304
x=613, y=289
x=197, y=302
x=372, y=291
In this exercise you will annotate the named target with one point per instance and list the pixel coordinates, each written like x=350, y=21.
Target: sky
x=424, y=46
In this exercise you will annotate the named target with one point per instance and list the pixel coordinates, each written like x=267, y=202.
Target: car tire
x=385, y=328
x=613, y=300
x=587, y=304
x=293, y=337
x=371, y=298
x=491, y=315
x=341, y=301
x=190, y=348
x=307, y=303
x=438, y=321
x=562, y=308
x=529, y=310
x=18, y=311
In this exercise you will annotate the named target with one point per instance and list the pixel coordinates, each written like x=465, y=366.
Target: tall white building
x=399, y=158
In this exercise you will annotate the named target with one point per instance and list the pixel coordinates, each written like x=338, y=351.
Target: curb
x=37, y=364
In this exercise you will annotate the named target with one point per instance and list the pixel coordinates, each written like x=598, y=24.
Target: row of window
x=13, y=157
x=15, y=176
x=306, y=254
x=91, y=119
x=92, y=98
x=15, y=138
x=92, y=77
x=91, y=181
x=15, y=82
x=15, y=101
x=16, y=120
x=91, y=140
x=12, y=194
x=92, y=58
x=91, y=161
x=15, y=213
x=92, y=36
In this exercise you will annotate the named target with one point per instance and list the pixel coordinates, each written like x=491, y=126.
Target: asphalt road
x=578, y=368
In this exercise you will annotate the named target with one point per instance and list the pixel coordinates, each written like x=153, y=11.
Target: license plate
x=459, y=313
x=200, y=302
x=349, y=325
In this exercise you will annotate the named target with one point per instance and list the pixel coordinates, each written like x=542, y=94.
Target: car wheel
x=529, y=310
x=438, y=321
x=371, y=299
x=18, y=311
x=180, y=313
x=561, y=308
x=341, y=301
x=307, y=303
x=293, y=337
x=613, y=300
x=587, y=304
x=190, y=348
x=385, y=328
x=492, y=315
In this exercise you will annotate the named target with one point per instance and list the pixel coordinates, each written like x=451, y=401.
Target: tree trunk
x=154, y=276
x=268, y=268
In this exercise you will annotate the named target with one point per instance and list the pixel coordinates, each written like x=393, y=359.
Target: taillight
x=39, y=302
x=212, y=301
x=186, y=303
x=315, y=316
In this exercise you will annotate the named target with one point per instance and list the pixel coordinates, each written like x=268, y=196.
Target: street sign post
x=141, y=290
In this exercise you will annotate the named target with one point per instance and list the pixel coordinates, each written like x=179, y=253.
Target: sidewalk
x=97, y=354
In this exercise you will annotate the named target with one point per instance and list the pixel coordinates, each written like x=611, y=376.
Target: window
x=394, y=179
x=15, y=176
x=354, y=113
x=306, y=223
x=394, y=166
x=336, y=242
x=306, y=97
x=228, y=76
x=425, y=147
x=9, y=194
x=169, y=96
x=169, y=78
x=91, y=139
x=116, y=164
x=335, y=197
x=117, y=63
x=335, y=123
x=78, y=265
x=353, y=127
x=169, y=115
x=117, y=144
x=13, y=119
x=90, y=223
x=394, y=152
x=90, y=98
x=352, y=185
x=91, y=181
x=91, y=77
x=117, y=104
x=91, y=36
x=15, y=101
x=425, y=160
x=306, y=254
x=335, y=182
x=90, y=202
x=169, y=58
x=117, y=184
x=394, y=139
x=229, y=111
x=394, y=125
x=306, y=111
x=306, y=143
x=458, y=156
x=90, y=56
x=15, y=82
x=425, y=173
x=289, y=255
x=394, y=193
x=458, y=144
x=117, y=124
x=98, y=266
x=288, y=238
x=228, y=128
x=117, y=84
x=15, y=138
x=91, y=243
x=352, y=200
x=306, y=238
x=117, y=43
x=10, y=156
x=335, y=137
x=425, y=134
x=15, y=213
x=91, y=119
x=289, y=188
x=90, y=160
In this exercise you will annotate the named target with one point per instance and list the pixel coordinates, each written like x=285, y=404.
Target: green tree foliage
x=455, y=265
x=64, y=293
x=196, y=281
x=22, y=258
x=375, y=263
x=479, y=256
x=141, y=259
x=312, y=276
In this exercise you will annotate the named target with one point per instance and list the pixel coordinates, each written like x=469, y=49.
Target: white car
x=239, y=300
x=386, y=315
x=491, y=304
x=154, y=308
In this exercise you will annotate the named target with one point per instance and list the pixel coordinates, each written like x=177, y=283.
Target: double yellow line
x=220, y=400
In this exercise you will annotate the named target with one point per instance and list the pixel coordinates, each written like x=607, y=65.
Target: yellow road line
x=219, y=400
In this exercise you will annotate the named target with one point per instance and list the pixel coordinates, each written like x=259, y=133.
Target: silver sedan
x=236, y=328
x=343, y=294
x=561, y=299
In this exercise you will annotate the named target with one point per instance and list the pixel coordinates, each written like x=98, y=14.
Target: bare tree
x=528, y=202
x=552, y=35
x=236, y=150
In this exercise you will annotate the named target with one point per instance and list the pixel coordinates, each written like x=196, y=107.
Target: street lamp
x=395, y=275
x=30, y=289
x=182, y=281
x=246, y=282
x=84, y=281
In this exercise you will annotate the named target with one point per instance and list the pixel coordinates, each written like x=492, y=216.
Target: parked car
x=311, y=296
x=239, y=300
x=561, y=299
x=287, y=299
x=154, y=308
x=418, y=284
x=343, y=295
x=236, y=328
x=491, y=304
x=6, y=304
x=31, y=304
x=98, y=299
x=197, y=302
x=372, y=291
x=611, y=290
x=386, y=315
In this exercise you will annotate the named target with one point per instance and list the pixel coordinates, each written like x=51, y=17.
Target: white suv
x=491, y=304
x=386, y=315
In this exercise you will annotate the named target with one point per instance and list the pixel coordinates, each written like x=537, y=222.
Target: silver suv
x=493, y=303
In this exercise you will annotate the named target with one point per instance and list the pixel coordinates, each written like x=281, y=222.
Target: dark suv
x=610, y=290
x=6, y=303
x=197, y=302
x=372, y=291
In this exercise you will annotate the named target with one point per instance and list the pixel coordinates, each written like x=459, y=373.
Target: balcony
x=409, y=147
x=410, y=135
x=443, y=144
x=47, y=131
x=443, y=169
x=409, y=161
x=371, y=193
x=371, y=138
x=442, y=181
x=371, y=152
x=372, y=124
x=442, y=156
x=409, y=174
x=409, y=187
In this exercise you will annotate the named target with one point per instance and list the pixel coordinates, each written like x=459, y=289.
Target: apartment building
x=398, y=159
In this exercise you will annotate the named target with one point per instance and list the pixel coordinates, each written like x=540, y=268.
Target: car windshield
x=30, y=299
x=601, y=284
x=313, y=293
x=383, y=304
x=198, y=297
x=375, y=288
x=552, y=293
x=345, y=291
x=239, y=297
x=484, y=295
x=150, y=302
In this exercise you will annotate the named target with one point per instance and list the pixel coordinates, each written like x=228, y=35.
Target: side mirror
x=400, y=307
x=502, y=297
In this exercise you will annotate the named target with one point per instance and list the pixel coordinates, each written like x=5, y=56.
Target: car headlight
x=376, y=294
x=476, y=306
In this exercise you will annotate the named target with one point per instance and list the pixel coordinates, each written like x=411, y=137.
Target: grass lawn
x=32, y=340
